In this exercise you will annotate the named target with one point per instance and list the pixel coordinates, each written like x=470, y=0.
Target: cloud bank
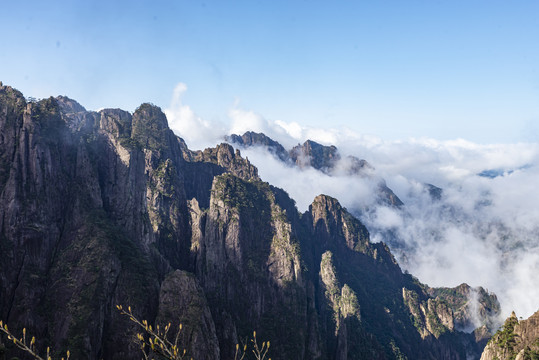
x=482, y=230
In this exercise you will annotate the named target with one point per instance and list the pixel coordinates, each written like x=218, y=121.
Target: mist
x=483, y=230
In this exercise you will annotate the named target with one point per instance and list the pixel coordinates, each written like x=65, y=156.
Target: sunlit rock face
x=517, y=339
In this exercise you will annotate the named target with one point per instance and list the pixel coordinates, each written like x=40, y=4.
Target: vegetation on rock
x=516, y=340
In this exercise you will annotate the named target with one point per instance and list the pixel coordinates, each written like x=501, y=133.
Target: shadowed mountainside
x=105, y=208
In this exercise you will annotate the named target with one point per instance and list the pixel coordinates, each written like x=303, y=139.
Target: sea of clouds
x=484, y=230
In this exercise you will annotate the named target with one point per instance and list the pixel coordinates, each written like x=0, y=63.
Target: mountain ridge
x=326, y=159
x=105, y=208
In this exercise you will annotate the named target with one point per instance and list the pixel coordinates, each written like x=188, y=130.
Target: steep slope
x=470, y=305
x=105, y=208
x=93, y=214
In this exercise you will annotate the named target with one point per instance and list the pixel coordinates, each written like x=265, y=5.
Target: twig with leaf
x=25, y=345
x=156, y=340
x=260, y=352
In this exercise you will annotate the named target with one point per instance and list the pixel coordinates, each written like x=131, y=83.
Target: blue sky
x=396, y=69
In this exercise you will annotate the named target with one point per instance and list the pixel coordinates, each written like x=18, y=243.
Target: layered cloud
x=483, y=230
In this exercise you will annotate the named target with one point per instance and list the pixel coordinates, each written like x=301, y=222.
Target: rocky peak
x=150, y=127
x=432, y=317
x=352, y=165
x=68, y=105
x=225, y=156
x=251, y=138
x=529, y=329
x=434, y=192
x=472, y=307
x=203, y=165
x=327, y=210
x=116, y=122
x=387, y=195
x=315, y=155
x=12, y=106
x=152, y=116
x=11, y=96
x=328, y=216
x=45, y=117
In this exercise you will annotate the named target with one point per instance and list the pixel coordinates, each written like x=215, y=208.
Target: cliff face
x=105, y=208
x=517, y=340
x=470, y=305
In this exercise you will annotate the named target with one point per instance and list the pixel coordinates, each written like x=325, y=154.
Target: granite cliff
x=105, y=208
x=516, y=340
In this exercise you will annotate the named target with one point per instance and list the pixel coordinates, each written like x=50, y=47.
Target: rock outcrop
x=471, y=307
x=251, y=138
x=517, y=339
x=183, y=302
x=106, y=208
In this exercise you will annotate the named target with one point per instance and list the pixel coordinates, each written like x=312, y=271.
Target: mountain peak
x=251, y=138
x=68, y=105
x=150, y=127
x=315, y=155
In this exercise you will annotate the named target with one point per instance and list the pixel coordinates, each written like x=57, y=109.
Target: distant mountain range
x=326, y=159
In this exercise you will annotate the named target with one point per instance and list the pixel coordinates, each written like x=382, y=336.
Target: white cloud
x=293, y=129
x=243, y=120
x=388, y=218
x=197, y=132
